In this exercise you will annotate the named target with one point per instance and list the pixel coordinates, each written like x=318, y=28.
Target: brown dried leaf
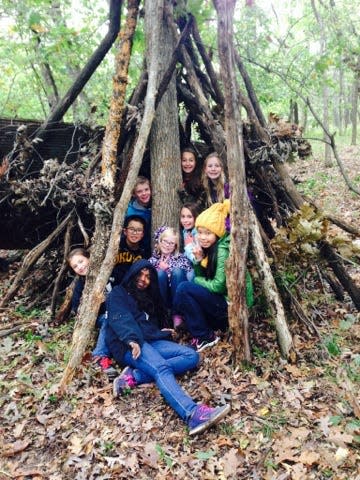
x=11, y=449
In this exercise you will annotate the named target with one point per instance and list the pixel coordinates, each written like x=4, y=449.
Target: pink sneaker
x=178, y=321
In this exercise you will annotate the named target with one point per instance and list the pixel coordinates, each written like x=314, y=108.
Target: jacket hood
x=135, y=269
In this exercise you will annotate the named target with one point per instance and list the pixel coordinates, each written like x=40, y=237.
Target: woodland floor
x=288, y=421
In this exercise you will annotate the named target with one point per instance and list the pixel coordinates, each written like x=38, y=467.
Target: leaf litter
x=288, y=421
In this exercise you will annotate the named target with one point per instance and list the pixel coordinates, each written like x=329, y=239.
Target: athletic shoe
x=204, y=416
x=124, y=383
x=105, y=363
x=199, y=344
x=178, y=322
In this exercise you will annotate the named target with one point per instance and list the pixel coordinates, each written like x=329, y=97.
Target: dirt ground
x=294, y=421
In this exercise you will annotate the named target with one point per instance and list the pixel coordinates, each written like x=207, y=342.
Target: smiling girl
x=203, y=302
x=172, y=267
x=191, y=189
x=213, y=180
x=79, y=261
x=188, y=214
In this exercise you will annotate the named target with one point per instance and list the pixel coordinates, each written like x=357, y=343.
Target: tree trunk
x=164, y=138
x=236, y=267
x=325, y=89
x=354, y=105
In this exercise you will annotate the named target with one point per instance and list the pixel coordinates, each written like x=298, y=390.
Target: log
x=335, y=262
x=270, y=290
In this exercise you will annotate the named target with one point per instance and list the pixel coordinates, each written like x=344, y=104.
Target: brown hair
x=77, y=251
x=193, y=207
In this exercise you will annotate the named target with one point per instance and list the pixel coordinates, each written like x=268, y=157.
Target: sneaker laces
x=204, y=410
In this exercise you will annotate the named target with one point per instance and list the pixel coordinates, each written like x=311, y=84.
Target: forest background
x=288, y=421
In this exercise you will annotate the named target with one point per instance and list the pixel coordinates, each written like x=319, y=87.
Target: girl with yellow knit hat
x=203, y=302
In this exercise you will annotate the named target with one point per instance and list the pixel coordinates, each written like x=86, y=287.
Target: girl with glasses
x=172, y=267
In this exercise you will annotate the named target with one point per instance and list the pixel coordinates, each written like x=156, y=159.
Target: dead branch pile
x=33, y=203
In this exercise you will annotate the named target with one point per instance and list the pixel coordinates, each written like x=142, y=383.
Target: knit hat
x=213, y=218
x=159, y=231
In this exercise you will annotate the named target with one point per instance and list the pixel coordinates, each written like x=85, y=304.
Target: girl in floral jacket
x=172, y=267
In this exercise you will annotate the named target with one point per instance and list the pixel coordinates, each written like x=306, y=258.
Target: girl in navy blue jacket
x=136, y=339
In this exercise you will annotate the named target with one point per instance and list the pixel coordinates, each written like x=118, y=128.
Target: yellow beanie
x=213, y=218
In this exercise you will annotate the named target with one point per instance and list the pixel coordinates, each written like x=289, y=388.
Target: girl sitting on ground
x=172, y=267
x=136, y=340
x=203, y=302
x=79, y=260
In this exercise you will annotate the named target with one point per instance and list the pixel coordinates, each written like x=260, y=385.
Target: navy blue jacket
x=126, y=322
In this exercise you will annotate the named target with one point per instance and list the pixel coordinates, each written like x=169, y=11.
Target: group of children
x=190, y=277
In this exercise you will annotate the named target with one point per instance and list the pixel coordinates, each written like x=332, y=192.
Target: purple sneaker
x=124, y=383
x=204, y=416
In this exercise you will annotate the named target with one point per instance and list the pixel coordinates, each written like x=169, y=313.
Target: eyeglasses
x=167, y=243
x=135, y=230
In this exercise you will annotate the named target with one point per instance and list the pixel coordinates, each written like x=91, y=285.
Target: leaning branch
x=86, y=313
x=270, y=289
x=92, y=64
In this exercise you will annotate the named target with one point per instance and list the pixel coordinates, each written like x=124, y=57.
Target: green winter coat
x=218, y=283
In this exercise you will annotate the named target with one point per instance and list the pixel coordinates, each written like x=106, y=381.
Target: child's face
x=143, y=279
x=213, y=168
x=167, y=244
x=187, y=219
x=142, y=193
x=188, y=162
x=80, y=264
x=134, y=232
x=205, y=237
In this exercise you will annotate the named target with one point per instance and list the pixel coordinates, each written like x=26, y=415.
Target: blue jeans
x=159, y=362
x=101, y=349
x=202, y=310
x=168, y=287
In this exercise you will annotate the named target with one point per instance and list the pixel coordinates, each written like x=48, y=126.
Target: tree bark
x=214, y=128
x=270, y=290
x=164, y=137
x=236, y=267
x=93, y=292
x=354, y=104
x=120, y=81
x=31, y=259
x=335, y=262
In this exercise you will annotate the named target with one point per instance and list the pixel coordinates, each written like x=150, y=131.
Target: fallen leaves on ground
x=288, y=421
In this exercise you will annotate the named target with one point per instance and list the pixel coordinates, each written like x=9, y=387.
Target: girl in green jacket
x=203, y=302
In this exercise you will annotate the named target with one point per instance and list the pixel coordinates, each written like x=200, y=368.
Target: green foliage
x=164, y=457
x=108, y=448
x=205, y=455
x=227, y=429
x=22, y=311
x=332, y=346
x=30, y=336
